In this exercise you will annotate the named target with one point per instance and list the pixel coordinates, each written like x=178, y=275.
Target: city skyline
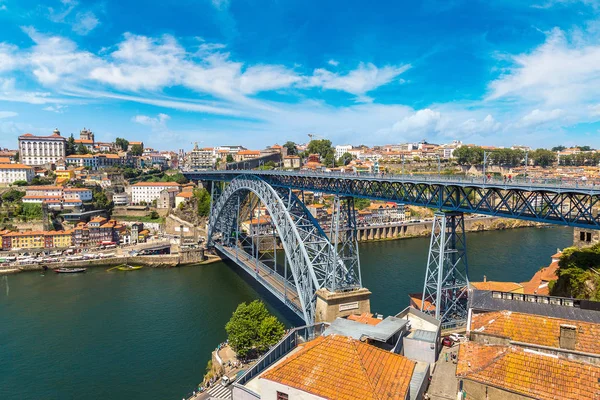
x=220, y=71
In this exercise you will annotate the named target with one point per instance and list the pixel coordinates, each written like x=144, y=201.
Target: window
x=588, y=236
x=582, y=236
x=282, y=396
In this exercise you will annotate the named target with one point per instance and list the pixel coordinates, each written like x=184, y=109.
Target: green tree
x=203, y=198
x=542, y=157
x=558, y=148
x=345, y=159
x=229, y=158
x=19, y=183
x=253, y=328
x=30, y=211
x=17, y=156
x=323, y=148
x=39, y=180
x=121, y=144
x=361, y=203
x=12, y=196
x=137, y=150
x=584, y=148
x=178, y=177
x=71, y=147
x=101, y=202
x=154, y=215
x=291, y=147
x=81, y=149
x=577, y=275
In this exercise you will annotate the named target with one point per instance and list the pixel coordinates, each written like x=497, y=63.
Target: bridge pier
x=331, y=305
x=446, y=279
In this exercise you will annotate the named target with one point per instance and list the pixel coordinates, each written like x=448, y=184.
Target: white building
x=77, y=194
x=201, y=158
x=341, y=149
x=40, y=150
x=120, y=199
x=10, y=173
x=150, y=191
x=52, y=191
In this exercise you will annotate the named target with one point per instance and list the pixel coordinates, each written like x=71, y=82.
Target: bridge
x=315, y=261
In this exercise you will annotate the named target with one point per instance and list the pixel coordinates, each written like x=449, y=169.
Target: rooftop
x=14, y=166
x=500, y=286
x=157, y=184
x=529, y=373
x=536, y=329
x=338, y=367
x=382, y=331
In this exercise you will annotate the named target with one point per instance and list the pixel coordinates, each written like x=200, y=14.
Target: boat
x=69, y=270
x=126, y=267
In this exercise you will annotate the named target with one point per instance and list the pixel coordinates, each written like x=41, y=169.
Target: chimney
x=485, y=278
x=568, y=337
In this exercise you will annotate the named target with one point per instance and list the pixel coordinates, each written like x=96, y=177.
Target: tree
x=203, y=198
x=468, y=155
x=101, y=202
x=19, y=183
x=122, y=143
x=229, y=158
x=322, y=147
x=542, y=157
x=81, y=149
x=252, y=327
x=558, y=148
x=292, y=150
x=584, y=148
x=30, y=211
x=13, y=196
x=361, y=203
x=345, y=159
x=71, y=147
x=38, y=180
x=17, y=156
x=137, y=150
x=153, y=215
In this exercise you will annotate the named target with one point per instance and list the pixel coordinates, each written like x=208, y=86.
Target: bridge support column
x=446, y=278
x=331, y=305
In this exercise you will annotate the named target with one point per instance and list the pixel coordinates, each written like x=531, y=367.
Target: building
x=131, y=144
x=244, y=155
x=257, y=226
x=291, y=162
x=337, y=367
x=340, y=150
x=166, y=198
x=183, y=197
x=147, y=192
x=97, y=232
x=199, y=159
x=82, y=194
x=54, y=191
x=64, y=175
x=41, y=150
x=120, y=199
x=10, y=173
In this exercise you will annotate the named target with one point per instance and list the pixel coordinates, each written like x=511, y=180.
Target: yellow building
x=65, y=175
x=23, y=240
x=59, y=239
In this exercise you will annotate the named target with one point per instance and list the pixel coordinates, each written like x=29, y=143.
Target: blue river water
x=148, y=334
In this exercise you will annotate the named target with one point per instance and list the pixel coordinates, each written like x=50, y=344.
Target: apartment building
x=149, y=191
x=10, y=173
x=82, y=194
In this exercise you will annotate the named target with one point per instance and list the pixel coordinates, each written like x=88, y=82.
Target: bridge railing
x=529, y=183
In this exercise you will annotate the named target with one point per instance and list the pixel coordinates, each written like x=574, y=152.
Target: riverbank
x=423, y=229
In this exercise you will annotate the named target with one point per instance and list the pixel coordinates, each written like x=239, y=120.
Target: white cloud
x=85, y=22
x=158, y=122
x=559, y=72
x=266, y=77
x=333, y=62
x=365, y=78
x=418, y=124
x=220, y=4
x=482, y=127
x=3, y=7
x=539, y=117
x=8, y=58
x=62, y=14
x=8, y=114
x=57, y=108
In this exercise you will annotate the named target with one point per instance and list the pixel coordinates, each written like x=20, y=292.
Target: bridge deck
x=272, y=281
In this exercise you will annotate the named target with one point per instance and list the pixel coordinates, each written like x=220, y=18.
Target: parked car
x=455, y=337
x=225, y=380
x=446, y=341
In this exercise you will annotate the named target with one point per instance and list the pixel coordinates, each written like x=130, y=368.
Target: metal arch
x=307, y=248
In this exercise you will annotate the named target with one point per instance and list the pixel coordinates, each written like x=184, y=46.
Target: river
x=148, y=334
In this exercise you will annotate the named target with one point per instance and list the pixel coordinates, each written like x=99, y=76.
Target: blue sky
x=255, y=73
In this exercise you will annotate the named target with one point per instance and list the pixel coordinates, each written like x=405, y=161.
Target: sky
x=217, y=72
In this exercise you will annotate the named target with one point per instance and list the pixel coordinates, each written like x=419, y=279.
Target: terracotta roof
x=77, y=190
x=416, y=298
x=248, y=152
x=14, y=166
x=365, y=318
x=539, y=281
x=132, y=143
x=536, y=329
x=499, y=286
x=157, y=184
x=43, y=188
x=5, y=160
x=98, y=219
x=84, y=141
x=531, y=374
x=264, y=219
x=42, y=197
x=338, y=367
x=185, y=194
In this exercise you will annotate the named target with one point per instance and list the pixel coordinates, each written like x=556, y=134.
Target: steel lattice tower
x=446, y=280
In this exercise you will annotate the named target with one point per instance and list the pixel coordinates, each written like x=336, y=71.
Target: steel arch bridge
x=314, y=261
x=553, y=202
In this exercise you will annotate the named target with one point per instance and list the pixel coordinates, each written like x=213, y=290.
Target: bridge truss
x=251, y=222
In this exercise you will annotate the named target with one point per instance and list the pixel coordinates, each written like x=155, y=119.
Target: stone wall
x=476, y=390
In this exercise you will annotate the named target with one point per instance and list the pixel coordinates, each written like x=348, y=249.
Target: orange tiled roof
x=185, y=194
x=248, y=152
x=536, y=329
x=539, y=281
x=365, y=318
x=534, y=375
x=157, y=184
x=416, y=300
x=499, y=286
x=338, y=367
x=14, y=166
